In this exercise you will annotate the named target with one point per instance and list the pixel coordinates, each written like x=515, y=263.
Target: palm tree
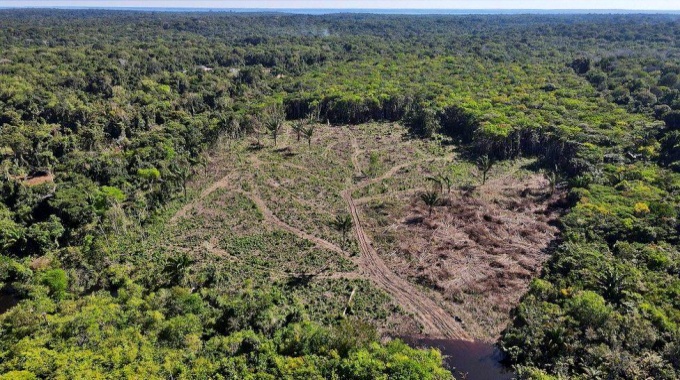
x=343, y=224
x=614, y=285
x=180, y=172
x=298, y=127
x=274, y=127
x=308, y=133
x=431, y=199
x=617, y=177
x=447, y=180
x=436, y=182
x=178, y=266
x=551, y=176
x=274, y=123
x=484, y=164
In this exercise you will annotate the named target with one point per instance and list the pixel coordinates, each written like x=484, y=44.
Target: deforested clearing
x=479, y=249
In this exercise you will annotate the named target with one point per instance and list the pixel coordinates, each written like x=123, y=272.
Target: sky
x=374, y=4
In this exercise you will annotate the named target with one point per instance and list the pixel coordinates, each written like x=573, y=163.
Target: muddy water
x=480, y=361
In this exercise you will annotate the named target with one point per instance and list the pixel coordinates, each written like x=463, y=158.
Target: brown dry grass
x=478, y=252
x=36, y=179
x=456, y=274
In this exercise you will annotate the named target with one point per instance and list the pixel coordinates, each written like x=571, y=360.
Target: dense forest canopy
x=105, y=116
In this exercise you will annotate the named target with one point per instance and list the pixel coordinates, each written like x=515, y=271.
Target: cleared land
x=456, y=274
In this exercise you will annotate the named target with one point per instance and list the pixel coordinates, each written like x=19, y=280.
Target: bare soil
x=457, y=273
x=479, y=251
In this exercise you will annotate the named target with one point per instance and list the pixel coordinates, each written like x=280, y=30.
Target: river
x=477, y=360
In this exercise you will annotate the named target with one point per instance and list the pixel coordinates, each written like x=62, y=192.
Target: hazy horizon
x=559, y=5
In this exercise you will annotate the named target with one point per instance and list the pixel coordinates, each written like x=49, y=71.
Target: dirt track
x=268, y=215
x=435, y=320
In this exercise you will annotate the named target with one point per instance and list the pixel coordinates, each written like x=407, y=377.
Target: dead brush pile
x=480, y=251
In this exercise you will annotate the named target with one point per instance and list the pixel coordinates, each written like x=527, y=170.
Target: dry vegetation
x=269, y=210
x=478, y=250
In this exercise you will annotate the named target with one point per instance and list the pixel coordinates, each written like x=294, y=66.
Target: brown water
x=479, y=360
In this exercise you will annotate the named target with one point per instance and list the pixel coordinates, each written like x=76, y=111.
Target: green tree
x=57, y=282
x=274, y=122
x=298, y=128
x=11, y=233
x=422, y=120
x=308, y=132
x=150, y=175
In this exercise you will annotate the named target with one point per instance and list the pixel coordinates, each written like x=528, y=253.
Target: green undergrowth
x=176, y=333
x=607, y=302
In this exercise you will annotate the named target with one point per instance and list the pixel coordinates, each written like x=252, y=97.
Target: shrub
x=56, y=281
x=589, y=308
x=641, y=208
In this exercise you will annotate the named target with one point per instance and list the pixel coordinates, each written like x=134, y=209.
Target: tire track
x=435, y=320
x=395, y=169
x=269, y=216
x=392, y=195
x=358, y=173
x=223, y=182
x=276, y=273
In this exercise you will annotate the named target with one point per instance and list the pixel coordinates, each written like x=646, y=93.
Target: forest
x=113, y=122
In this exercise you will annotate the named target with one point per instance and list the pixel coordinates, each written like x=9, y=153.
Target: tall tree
x=181, y=171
